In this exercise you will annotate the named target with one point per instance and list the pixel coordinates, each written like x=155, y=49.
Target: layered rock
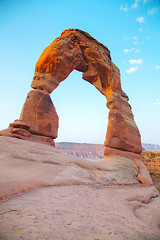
x=151, y=160
x=40, y=114
x=38, y=120
x=122, y=132
x=20, y=129
x=76, y=49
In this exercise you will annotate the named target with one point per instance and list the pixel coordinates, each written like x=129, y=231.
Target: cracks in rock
x=7, y=211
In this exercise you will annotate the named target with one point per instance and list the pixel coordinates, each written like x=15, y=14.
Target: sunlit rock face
x=40, y=114
x=76, y=49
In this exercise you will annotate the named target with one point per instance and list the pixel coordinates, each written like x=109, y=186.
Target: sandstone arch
x=76, y=49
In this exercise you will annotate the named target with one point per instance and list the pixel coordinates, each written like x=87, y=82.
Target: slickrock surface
x=58, y=196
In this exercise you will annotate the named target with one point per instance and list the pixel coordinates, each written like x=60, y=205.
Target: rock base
x=19, y=129
x=127, y=163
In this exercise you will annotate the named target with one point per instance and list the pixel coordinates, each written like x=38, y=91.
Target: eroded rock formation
x=76, y=49
x=40, y=114
x=152, y=160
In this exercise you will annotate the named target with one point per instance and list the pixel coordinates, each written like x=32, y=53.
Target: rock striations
x=76, y=49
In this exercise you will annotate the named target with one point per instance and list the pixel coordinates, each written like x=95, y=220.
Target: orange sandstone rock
x=76, y=49
x=40, y=114
x=151, y=160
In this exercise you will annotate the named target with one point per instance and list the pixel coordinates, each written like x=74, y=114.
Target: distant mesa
x=76, y=49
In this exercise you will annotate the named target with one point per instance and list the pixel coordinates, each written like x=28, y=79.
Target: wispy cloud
x=157, y=101
x=134, y=61
x=132, y=69
x=124, y=8
x=137, y=51
x=145, y=1
x=140, y=29
x=135, y=5
x=135, y=38
x=157, y=67
x=140, y=19
x=153, y=11
x=135, y=42
x=148, y=38
x=128, y=50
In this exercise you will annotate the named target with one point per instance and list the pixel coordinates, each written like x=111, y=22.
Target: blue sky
x=131, y=31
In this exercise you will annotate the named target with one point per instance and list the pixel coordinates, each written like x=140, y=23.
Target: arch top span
x=76, y=49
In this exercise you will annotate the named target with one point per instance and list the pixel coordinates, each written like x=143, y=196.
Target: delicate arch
x=76, y=49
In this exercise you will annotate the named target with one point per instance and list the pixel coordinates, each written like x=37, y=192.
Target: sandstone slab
x=53, y=195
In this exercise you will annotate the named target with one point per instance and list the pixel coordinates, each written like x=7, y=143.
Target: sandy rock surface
x=52, y=195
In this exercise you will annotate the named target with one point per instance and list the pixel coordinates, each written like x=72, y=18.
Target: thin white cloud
x=137, y=51
x=128, y=50
x=135, y=38
x=140, y=19
x=134, y=61
x=148, y=38
x=132, y=69
x=157, y=67
x=124, y=8
x=145, y=1
x=135, y=5
x=140, y=29
x=125, y=37
x=157, y=101
x=135, y=42
x=153, y=11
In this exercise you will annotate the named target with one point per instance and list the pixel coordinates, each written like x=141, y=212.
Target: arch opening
x=83, y=114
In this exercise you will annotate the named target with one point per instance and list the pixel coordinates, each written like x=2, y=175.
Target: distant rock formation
x=151, y=160
x=76, y=49
x=85, y=150
x=96, y=151
x=151, y=147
